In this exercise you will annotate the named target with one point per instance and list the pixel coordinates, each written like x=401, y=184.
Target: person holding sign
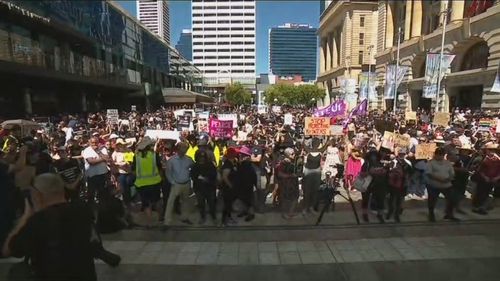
x=440, y=174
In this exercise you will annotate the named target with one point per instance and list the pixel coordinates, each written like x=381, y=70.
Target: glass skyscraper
x=292, y=51
x=185, y=44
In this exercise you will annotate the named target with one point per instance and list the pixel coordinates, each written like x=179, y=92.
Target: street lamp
x=313, y=101
x=275, y=101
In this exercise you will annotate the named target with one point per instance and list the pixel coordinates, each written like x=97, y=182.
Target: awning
x=176, y=95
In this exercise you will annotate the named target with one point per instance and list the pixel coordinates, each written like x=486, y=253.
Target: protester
x=204, y=176
x=177, y=173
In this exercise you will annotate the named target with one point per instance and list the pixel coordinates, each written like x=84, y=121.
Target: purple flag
x=360, y=109
x=335, y=109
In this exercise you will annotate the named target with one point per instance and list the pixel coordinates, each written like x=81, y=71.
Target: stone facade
x=348, y=40
x=473, y=36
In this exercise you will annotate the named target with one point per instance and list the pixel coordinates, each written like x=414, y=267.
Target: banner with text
x=432, y=72
x=317, y=126
x=392, y=80
x=221, y=128
x=338, y=108
x=367, y=83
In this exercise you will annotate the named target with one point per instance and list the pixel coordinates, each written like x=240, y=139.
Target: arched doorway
x=471, y=96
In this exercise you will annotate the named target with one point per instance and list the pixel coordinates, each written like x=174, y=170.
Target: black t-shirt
x=228, y=165
x=68, y=169
x=58, y=241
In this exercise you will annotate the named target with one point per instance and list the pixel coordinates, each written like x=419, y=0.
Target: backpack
x=396, y=176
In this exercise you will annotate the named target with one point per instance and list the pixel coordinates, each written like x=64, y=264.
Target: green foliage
x=294, y=95
x=236, y=94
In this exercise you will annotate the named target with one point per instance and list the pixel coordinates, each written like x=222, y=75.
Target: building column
x=84, y=102
x=457, y=10
x=389, y=31
x=28, y=106
x=329, y=57
x=416, y=19
x=330, y=51
x=322, y=62
x=335, y=56
x=408, y=20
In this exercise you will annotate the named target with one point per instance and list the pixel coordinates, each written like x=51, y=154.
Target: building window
x=476, y=57
x=361, y=39
x=360, y=58
x=362, y=21
x=476, y=7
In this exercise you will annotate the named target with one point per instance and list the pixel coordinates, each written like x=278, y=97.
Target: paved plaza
x=410, y=251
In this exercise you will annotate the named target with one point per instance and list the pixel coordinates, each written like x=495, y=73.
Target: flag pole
x=445, y=18
x=396, y=72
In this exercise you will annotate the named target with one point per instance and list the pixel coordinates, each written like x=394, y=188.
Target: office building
x=472, y=35
x=292, y=51
x=348, y=34
x=154, y=14
x=185, y=44
x=224, y=40
x=51, y=61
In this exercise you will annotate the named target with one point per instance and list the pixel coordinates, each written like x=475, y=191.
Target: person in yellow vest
x=148, y=175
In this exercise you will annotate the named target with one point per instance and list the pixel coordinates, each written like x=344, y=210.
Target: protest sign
x=288, y=119
x=203, y=126
x=276, y=109
x=410, y=115
x=425, y=150
x=221, y=128
x=262, y=109
x=441, y=119
x=317, y=126
x=498, y=126
x=112, y=116
x=336, y=130
x=388, y=140
x=130, y=140
x=184, y=122
x=229, y=117
x=401, y=140
x=163, y=134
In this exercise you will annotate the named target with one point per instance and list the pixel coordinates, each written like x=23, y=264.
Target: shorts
x=150, y=194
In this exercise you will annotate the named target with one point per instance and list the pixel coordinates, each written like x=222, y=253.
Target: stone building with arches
x=472, y=35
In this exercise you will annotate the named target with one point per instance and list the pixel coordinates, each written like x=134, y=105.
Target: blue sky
x=269, y=14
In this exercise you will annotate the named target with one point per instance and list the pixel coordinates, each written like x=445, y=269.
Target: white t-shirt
x=94, y=170
x=69, y=134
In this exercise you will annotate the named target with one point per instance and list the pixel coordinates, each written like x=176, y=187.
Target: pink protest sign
x=221, y=128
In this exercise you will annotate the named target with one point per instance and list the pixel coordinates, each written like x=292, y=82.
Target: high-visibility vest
x=217, y=155
x=191, y=152
x=128, y=157
x=146, y=170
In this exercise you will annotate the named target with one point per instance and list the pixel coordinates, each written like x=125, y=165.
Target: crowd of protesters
x=265, y=165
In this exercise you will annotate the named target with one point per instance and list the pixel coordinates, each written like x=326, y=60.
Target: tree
x=236, y=94
x=294, y=95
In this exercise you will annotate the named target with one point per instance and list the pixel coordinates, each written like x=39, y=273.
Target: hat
x=120, y=141
x=113, y=136
x=231, y=153
x=245, y=150
x=95, y=134
x=490, y=145
x=439, y=139
x=145, y=142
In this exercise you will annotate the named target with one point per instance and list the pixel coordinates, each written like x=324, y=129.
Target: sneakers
x=250, y=217
x=365, y=218
x=479, y=211
x=432, y=217
x=451, y=218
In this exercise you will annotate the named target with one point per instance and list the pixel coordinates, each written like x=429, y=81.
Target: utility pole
x=369, y=74
x=396, y=71
x=445, y=19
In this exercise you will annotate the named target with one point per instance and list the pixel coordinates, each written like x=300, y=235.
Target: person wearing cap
x=148, y=171
x=246, y=182
x=121, y=169
x=440, y=174
x=398, y=178
x=69, y=170
x=178, y=174
x=229, y=181
x=204, y=176
x=488, y=176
